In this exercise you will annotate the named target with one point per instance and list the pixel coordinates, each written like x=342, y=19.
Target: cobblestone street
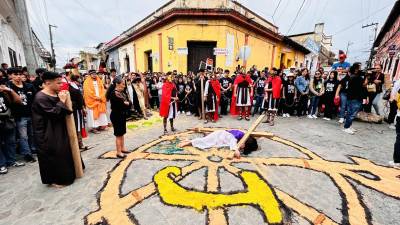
x=318, y=199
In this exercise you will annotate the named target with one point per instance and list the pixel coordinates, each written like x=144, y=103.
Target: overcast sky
x=85, y=23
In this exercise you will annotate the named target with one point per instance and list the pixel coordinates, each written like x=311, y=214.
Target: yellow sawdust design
x=113, y=208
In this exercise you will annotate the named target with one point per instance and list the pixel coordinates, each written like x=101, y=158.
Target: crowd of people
x=31, y=106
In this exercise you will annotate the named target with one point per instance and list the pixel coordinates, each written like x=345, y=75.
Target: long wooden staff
x=73, y=140
x=250, y=130
x=202, y=99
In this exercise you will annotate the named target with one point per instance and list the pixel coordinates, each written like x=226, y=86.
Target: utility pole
x=53, y=55
x=25, y=31
x=348, y=46
x=372, y=49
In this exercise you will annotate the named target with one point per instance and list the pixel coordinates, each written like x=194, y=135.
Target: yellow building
x=183, y=34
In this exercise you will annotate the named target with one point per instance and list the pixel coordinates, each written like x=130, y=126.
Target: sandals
x=123, y=156
x=84, y=148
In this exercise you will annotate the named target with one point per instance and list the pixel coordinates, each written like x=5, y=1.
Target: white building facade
x=11, y=48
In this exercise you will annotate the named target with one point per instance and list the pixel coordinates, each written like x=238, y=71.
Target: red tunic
x=276, y=86
x=239, y=79
x=217, y=89
x=166, y=98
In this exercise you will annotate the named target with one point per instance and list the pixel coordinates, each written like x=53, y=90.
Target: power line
x=46, y=11
x=359, y=21
x=323, y=10
x=284, y=8
x=297, y=15
x=279, y=3
x=97, y=16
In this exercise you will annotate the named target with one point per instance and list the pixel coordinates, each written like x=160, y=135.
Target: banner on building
x=220, y=51
x=182, y=51
x=230, y=46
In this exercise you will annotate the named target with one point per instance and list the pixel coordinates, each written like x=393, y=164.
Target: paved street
x=304, y=193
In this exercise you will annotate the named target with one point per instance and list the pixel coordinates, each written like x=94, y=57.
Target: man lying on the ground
x=224, y=138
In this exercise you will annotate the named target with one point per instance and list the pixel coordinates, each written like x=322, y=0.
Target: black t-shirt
x=330, y=87
x=189, y=87
x=181, y=87
x=290, y=88
x=254, y=77
x=148, y=83
x=153, y=88
x=4, y=103
x=225, y=81
x=344, y=83
x=356, y=90
x=26, y=92
x=260, y=85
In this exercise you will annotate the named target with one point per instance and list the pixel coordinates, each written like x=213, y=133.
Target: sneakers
x=392, y=163
x=326, y=118
x=286, y=115
x=392, y=126
x=3, y=170
x=341, y=120
x=188, y=114
x=349, y=131
x=310, y=117
x=314, y=116
x=29, y=159
x=17, y=164
x=352, y=129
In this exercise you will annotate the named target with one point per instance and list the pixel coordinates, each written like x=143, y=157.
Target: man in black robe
x=50, y=131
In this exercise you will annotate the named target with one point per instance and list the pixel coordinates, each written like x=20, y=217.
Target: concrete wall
x=113, y=57
x=10, y=39
x=126, y=50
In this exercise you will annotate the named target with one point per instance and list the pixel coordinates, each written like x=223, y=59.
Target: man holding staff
x=49, y=112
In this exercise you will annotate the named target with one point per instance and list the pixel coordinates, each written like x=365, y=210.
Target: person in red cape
x=242, y=96
x=212, y=96
x=273, y=89
x=169, y=106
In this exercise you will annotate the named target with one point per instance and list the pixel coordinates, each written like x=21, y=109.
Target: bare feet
x=237, y=154
x=57, y=186
x=184, y=143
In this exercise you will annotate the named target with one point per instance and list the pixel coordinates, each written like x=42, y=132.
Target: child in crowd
x=330, y=89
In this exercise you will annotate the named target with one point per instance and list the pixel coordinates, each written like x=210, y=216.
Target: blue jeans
x=24, y=129
x=314, y=105
x=353, y=107
x=7, y=147
x=343, y=105
x=257, y=106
